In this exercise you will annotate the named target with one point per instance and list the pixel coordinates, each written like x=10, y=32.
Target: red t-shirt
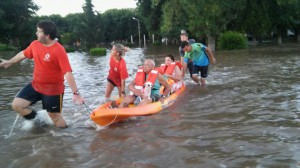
x=50, y=65
x=117, y=71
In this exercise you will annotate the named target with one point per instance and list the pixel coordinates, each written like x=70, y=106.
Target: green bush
x=156, y=43
x=4, y=47
x=232, y=40
x=68, y=49
x=98, y=51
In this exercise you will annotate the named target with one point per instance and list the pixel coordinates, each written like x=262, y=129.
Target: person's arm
x=181, y=60
x=17, y=58
x=177, y=77
x=123, y=88
x=131, y=87
x=71, y=81
x=210, y=55
x=181, y=54
x=162, y=81
x=123, y=74
x=184, y=65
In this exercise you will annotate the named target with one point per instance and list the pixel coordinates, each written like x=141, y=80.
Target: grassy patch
x=98, y=51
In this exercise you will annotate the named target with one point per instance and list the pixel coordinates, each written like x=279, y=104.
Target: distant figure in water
x=51, y=66
x=184, y=37
x=201, y=57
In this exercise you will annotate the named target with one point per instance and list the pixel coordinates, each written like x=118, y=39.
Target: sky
x=64, y=7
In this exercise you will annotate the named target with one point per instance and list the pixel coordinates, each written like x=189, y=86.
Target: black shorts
x=190, y=67
x=110, y=81
x=52, y=104
x=202, y=69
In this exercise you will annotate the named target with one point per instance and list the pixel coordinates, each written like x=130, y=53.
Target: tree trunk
x=211, y=42
x=254, y=40
x=279, y=37
x=298, y=34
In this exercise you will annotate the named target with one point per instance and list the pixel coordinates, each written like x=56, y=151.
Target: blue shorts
x=52, y=104
x=202, y=69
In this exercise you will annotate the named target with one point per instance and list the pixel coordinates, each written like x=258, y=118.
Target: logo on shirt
x=47, y=57
x=115, y=69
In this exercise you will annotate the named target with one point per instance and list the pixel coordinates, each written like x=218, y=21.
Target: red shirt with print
x=50, y=65
x=117, y=71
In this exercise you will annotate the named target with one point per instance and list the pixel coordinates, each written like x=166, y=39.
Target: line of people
x=51, y=67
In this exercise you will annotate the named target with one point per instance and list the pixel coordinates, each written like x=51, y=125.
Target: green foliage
x=90, y=25
x=4, y=47
x=150, y=12
x=118, y=25
x=163, y=18
x=156, y=43
x=232, y=40
x=14, y=14
x=68, y=38
x=253, y=18
x=69, y=49
x=98, y=51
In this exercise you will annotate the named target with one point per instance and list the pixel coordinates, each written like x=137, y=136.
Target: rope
x=13, y=125
x=87, y=108
x=116, y=115
x=113, y=119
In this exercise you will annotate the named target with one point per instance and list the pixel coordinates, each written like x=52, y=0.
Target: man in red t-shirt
x=117, y=71
x=51, y=65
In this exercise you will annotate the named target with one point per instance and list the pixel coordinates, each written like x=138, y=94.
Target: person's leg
x=195, y=78
x=196, y=70
x=57, y=119
x=127, y=100
x=119, y=91
x=26, y=97
x=190, y=66
x=204, y=73
x=53, y=105
x=145, y=101
x=203, y=81
x=109, y=88
x=21, y=106
x=153, y=98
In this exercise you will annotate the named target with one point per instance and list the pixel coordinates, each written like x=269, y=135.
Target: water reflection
x=247, y=116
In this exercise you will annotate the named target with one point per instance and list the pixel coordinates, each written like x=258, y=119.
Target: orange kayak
x=104, y=116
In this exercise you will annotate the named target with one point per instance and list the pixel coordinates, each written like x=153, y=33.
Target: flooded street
x=246, y=116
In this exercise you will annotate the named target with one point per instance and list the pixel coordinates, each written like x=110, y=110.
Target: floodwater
x=246, y=116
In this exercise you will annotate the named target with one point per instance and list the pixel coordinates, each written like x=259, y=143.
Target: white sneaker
x=27, y=125
x=42, y=118
x=90, y=124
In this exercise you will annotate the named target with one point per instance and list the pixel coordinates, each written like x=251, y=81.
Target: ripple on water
x=247, y=116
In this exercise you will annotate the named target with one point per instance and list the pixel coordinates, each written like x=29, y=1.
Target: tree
x=118, y=25
x=90, y=25
x=281, y=16
x=13, y=17
x=254, y=18
x=295, y=18
x=209, y=17
x=75, y=28
x=150, y=12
